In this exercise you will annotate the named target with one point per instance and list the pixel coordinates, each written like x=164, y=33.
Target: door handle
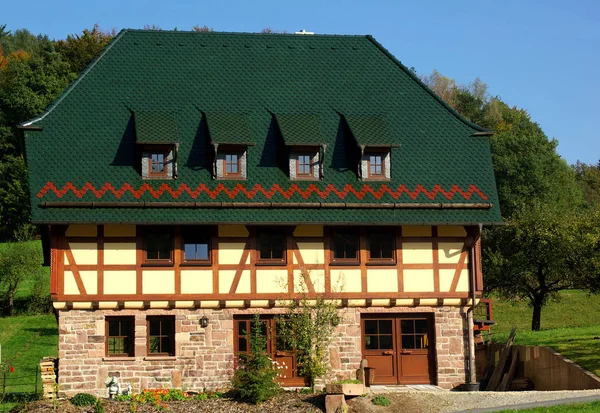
x=388, y=353
x=405, y=352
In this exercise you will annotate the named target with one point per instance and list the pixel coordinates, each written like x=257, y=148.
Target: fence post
x=37, y=372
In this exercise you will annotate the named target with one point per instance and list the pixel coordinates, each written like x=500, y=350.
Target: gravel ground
x=447, y=402
x=404, y=401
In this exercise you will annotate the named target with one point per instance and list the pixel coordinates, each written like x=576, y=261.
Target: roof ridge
x=213, y=33
x=425, y=87
x=75, y=82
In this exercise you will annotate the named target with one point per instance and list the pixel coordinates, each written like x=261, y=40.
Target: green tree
x=541, y=251
x=588, y=177
x=18, y=262
x=80, y=50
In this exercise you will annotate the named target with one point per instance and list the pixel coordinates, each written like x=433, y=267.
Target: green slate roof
x=84, y=164
x=155, y=127
x=370, y=130
x=300, y=129
x=228, y=128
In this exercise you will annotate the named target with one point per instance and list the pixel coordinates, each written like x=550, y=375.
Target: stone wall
x=204, y=357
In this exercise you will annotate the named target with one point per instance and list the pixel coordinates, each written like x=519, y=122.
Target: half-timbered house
x=186, y=181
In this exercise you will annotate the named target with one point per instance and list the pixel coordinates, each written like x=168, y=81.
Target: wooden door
x=398, y=347
x=276, y=347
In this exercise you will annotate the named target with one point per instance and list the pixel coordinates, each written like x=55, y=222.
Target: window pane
x=242, y=344
x=154, y=344
x=407, y=326
x=242, y=328
x=421, y=341
x=370, y=326
x=165, y=343
x=371, y=343
x=421, y=326
x=381, y=245
x=189, y=251
x=385, y=327
x=385, y=342
x=408, y=342
x=113, y=328
x=158, y=244
x=345, y=245
x=154, y=327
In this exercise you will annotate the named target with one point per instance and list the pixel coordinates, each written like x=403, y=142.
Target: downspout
x=471, y=376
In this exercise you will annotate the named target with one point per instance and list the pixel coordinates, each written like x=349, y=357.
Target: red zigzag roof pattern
x=258, y=188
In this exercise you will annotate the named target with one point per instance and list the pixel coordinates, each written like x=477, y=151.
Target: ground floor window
x=119, y=336
x=161, y=335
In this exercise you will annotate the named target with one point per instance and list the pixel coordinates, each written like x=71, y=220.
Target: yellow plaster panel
x=452, y=231
x=133, y=304
x=308, y=231
x=209, y=304
x=82, y=230
x=114, y=230
x=417, y=281
x=85, y=253
x=380, y=302
x=452, y=301
x=196, y=281
x=446, y=277
x=405, y=302
x=233, y=231
x=59, y=305
x=357, y=303
x=225, y=281
x=82, y=305
x=108, y=304
x=428, y=301
x=119, y=282
x=449, y=252
x=244, y=284
x=89, y=279
x=416, y=231
x=259, y=303
x=159, y=304
x=234, y=303
x=311, y=252
x=271, y=281
x=184, y=304
x=158, y=282
x=119, y=253
x=231, y=252
x=383, y=281
x=349, y=281
x=317, y=278
x=417, y=253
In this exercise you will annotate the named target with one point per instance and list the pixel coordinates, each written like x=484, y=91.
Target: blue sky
x=541, y=55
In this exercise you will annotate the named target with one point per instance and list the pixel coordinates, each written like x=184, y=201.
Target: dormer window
x=304, y=164
x=230, y=162
x=157, y=162
x=375, y=164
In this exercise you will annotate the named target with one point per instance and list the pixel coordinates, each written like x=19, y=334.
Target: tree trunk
x=11, y=304
x=536, y=320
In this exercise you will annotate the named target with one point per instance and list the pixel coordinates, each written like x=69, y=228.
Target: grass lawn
x=571, y=326
x=25, y=340
x=565, y=408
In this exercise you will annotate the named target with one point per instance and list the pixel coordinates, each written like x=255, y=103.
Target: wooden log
x=507, y=379
x=501, y=366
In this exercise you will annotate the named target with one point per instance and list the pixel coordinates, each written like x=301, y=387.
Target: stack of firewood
x=48, y=369
x=501, y=376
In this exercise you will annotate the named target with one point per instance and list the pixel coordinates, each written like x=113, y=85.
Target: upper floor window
x=271, y=246
x=231, y=162
x=304, y=164
x=381, y=246
x=157, y=162
x=196, y=245
x=158, y=245
x=345, y=246
x=375, y=164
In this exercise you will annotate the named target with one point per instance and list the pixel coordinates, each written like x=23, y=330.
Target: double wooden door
x=281, y=353
x=399, y=347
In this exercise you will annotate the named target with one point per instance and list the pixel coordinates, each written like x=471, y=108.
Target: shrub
x=254, y=378
x=349, y=381
x=98, y=407
x=381, y=401
x=84, y=399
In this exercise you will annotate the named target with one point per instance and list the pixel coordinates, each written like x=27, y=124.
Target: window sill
x=379, y=263
x=195, y=264
x=119, y=358
x=157, y=264
x=160, y=358
x=377, y=179
x=345, y=264
x=231, y=178
x=158, y=178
